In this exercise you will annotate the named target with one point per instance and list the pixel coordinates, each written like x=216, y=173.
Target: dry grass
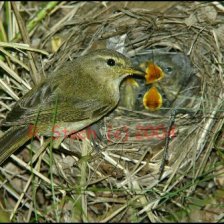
x=119, y=182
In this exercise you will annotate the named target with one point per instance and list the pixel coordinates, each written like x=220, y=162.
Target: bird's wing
x=46, y=102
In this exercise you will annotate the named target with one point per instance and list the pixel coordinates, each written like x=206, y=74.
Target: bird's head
x=109, y=65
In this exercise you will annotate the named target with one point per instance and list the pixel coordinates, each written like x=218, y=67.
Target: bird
x=69, y=99
x=176, y=84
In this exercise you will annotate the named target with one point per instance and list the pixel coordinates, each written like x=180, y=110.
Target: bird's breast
x=112, y=91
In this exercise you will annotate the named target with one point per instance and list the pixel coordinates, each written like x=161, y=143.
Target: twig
x=25, y=190
x=22, y=46
x=14, y=75
x=165, y=154
x=34, y=74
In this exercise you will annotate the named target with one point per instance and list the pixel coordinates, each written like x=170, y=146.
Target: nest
x=142, y=156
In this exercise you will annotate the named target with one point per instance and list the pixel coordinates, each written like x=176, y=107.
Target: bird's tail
x=14, y=138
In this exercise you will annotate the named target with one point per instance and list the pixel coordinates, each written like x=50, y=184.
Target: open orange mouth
x=152, y=99
x=153, y=73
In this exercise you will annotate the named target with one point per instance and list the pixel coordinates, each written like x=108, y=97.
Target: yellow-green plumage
x=73, y=97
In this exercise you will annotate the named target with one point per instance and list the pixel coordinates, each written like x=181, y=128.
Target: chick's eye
x=111, y=62
x=168, y=69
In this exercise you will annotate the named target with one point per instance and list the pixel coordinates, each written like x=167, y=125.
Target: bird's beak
x=135, y=71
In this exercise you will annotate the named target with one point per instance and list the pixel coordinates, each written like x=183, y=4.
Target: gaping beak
x=135, y=71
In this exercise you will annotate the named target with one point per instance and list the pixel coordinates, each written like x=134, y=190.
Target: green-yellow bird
x=68, y=100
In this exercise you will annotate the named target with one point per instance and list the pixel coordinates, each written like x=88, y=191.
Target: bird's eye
x=168, y=69
x=111, y=62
